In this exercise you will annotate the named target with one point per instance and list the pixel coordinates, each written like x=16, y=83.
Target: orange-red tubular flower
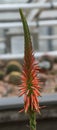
x=30, y=82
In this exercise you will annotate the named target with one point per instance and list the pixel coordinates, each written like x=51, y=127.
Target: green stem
x=32, y=121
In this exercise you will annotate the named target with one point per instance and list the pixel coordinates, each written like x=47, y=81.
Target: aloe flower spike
x=30, y=82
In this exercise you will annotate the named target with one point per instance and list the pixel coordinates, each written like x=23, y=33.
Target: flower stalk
x=32, y=120
x=30, y=83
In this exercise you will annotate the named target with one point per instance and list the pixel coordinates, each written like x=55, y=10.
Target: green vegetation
x=13, y=66
x=14, y=78
x=1, y=75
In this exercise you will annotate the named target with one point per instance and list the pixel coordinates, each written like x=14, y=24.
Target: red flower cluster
x=30, y=82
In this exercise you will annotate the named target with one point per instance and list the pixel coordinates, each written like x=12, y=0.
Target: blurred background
x=42, y=22
x=41, y=16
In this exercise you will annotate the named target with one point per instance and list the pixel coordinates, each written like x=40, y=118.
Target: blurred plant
x=14, y=78
x=13, y=66
x=1, y=74
x=2, y=64
x=46, y=63
x=29, y=79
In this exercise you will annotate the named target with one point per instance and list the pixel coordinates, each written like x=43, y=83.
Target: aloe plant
x=30, y=83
